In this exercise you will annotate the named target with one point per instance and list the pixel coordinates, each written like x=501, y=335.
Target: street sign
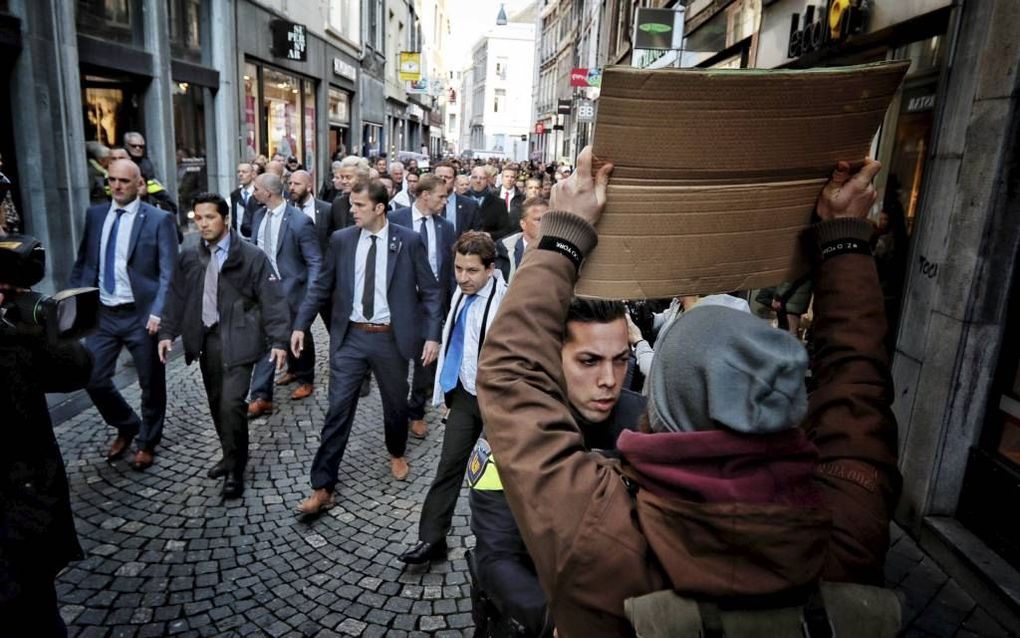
x=585, y=111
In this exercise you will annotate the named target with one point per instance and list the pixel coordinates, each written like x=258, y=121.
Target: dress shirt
x=382, y=251
x=469, y=364
x=245, y=194
x=274, y=218
x=222, y=254
x=309, y=209
x=122, y=284
x=451, y=211
x=430, y=224
x=507, y=196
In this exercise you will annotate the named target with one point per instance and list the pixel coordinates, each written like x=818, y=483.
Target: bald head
x=125, y=181
x=269, y=189
x=275, y=167
x=300, y=186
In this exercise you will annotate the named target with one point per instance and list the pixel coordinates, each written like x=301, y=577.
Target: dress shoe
x=366, y=387
x=287, y=379
x=419, y=429
x=258, y=407
x=320, y=501
x=143, y=460
x=218, y=470
x=399, y=468
x=303, y=391
x=233, y=487
x=423, y=552
x=121, y=443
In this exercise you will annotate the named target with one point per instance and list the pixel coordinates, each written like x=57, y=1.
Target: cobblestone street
x=167, y=556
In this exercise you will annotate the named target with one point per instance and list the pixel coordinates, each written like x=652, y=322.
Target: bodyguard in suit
x=460, y=211
x=491, y=209
x=128, y=251
x=438, y=237
x=288, y=238
x=242, y=200
x=227, y=304
x=510, y=249
x=385, y=302
x=511, y=197
x=302, y=197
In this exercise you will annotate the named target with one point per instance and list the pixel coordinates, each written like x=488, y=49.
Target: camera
x=69, y=314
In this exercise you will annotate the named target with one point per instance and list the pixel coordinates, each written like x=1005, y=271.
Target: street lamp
x=501, y=18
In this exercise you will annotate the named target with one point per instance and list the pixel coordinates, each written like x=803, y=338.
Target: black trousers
x=463, y=427
x=34, y=610
x=226, y=388
x=422, y=383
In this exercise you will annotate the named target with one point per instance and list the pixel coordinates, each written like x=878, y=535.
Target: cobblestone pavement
x=166, y=555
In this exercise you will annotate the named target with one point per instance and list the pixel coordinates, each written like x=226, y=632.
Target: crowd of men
x=413, y=271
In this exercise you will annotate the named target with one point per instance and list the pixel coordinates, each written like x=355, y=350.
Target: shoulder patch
x=480, y=457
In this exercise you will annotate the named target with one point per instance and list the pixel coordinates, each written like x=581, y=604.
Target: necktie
x=507, y=197
x=368, y=292
x=424, y=232
x=110, y=266
x=455, y=353
x=210, y=313
x=266, y=233
x=245, y=196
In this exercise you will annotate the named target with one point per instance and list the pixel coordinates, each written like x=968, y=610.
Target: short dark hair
x=428, y=182
x=595, y=310
x=212, y=198
x=537, y=200
x=444, y=164
x=375, y=189
x=476, y=242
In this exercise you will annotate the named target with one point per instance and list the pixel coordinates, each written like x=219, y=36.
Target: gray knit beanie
x=719, y=367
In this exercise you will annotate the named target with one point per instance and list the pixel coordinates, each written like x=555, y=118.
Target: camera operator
x=37, y=536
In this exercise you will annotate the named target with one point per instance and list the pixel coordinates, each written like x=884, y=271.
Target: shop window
x=282, y=108
x=185, y=25
x=308, y=159
x=189, y=131
x=250, y=129
x=111, y=106
x=108, y=19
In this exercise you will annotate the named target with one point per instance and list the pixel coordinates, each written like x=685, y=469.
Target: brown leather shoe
x=121, y=443
x=320, y=501
x=258, y=407
x=399, y=468
x=303, y=391
x=419, y=428
x=143, y=460
x=287, y=379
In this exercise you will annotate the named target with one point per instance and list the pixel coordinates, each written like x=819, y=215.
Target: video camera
x=69, y=314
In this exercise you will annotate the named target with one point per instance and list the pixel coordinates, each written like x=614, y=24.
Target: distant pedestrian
x=491, y=209
x=98, y=162
x=242, y=200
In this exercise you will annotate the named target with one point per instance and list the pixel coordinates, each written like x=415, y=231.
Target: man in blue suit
x=288, y=238
x=385, y=301
x=128, y=251
x=438, y=237
x=460, y=211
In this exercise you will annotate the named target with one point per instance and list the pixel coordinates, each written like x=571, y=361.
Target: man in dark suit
x=128, y=251
x=226, y=302
x=302, y=197
x=351, y=168
x=288, y=238
x=385, y=301
x=511, y=197
x=460, y=211
x=510, y=249
x=438, y=237
x=491, y=209
x=242, y=200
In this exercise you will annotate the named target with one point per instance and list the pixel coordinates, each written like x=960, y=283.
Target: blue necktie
x=455, y=353
x=110, y=266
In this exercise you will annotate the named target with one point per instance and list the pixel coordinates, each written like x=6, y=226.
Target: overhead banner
x=717, y=171
x=410, y=66
x=586, y=78
x=659, y=29
x=421, y=87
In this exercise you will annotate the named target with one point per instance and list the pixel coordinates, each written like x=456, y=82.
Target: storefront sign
x=345, y=70
x=659, y=28
x=919, y=99
x=825, y=25
x=585, y=111
x=563, y=107
x=586, y=77
x=410, y=66
x=289, y=40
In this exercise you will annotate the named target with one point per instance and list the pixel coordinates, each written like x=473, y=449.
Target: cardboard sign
x=717, y=171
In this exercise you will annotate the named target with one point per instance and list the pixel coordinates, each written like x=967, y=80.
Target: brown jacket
x=588, y=537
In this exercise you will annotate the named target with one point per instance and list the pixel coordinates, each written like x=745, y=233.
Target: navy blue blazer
x=467, y=215
x=152, y=255
x=412, y=291
x=298, y=256
x=446, y=236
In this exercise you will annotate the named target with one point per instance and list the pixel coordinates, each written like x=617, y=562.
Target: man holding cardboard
x=736, y=402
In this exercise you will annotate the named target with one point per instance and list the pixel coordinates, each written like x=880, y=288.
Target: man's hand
x=297, y=342
x=163, y=348
x=152, y=325
x=846, y=195
x=582, y=193
x=279, y=355
x=633, y=332
x=429, y=353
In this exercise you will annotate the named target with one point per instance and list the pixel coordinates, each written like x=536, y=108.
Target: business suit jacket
x=340, y=213
x=493, y=215
x=509, y=252
x=298, y=257
x=467, y=214
x=412, y=291
x=445, y=238
x=151, y=261
x=323, y=223
x=236, y=203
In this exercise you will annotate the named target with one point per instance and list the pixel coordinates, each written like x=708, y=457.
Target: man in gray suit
x=287, y=236
x=386, y=301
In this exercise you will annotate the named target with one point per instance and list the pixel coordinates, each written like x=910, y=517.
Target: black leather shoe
x=233, y=487
x=424, y=552
x=218, y=470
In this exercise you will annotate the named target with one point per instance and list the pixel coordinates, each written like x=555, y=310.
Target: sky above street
x=470, y=20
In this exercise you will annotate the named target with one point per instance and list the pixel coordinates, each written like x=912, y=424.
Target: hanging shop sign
x=586, y=77
x=825, y=25
x=345, y=70
x=418, y=87
x=540, y=128
x=410, y=66
x=659, y=29
x=563, y=107
x=585, y=111
x=289, y=40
